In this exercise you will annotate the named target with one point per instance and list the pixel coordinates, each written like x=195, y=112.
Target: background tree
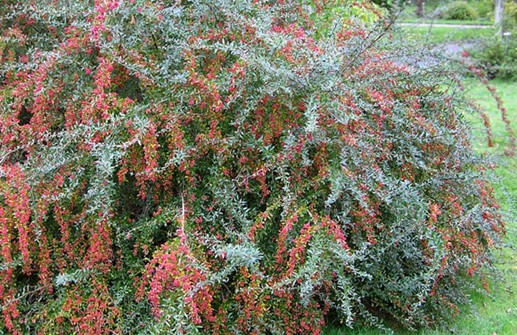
x=498, y=13
x=420, y=9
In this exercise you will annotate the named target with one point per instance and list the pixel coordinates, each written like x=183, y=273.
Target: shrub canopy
x=211, y=167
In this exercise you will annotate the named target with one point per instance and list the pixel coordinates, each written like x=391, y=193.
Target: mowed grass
x=506, y=167
x=436, y=35
x=445, y=21
x=496, y=313
x=408, y=15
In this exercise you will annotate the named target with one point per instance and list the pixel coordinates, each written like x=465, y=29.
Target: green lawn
x=507, y=91
x=408, y=14
x=436, y=35
x=444, y=21
x=496, y=314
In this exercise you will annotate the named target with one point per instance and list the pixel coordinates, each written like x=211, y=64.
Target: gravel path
x=454, y=49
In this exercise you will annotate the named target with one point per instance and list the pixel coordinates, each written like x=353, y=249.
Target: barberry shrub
x=210, y=167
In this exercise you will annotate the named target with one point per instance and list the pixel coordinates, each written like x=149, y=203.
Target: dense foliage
x=211, y=167
x=459, y=10
x=497, y=57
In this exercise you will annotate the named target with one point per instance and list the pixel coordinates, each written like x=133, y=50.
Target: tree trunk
x=420, y=8
x=499, y=10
